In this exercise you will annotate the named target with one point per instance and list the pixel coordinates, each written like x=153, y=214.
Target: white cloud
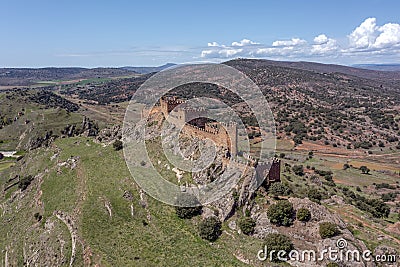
x=364, y=35
x=244, y=42
x=293, y=42
x=389, y=36
x=369, y=36
x=213, y=44
x=366, y=40
x=321, y=39
x=230, y=52
x=323, y=45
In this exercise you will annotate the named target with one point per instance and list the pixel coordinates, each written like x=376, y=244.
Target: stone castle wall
x=224, y=135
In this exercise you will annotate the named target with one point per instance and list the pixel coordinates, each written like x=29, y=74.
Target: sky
x=150, y=33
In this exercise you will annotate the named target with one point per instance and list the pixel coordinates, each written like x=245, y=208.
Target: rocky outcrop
x=305, y=235
x=109, y=135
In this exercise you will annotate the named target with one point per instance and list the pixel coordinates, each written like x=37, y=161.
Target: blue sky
x=147, y=33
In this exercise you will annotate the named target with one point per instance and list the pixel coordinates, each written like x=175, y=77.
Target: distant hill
x=381, y=67
x=145, y=70
x=30, y=76
x=328, y=68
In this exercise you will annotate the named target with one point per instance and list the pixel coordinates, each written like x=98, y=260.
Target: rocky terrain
x=68, y=199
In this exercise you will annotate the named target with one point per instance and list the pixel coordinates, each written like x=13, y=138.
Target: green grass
x=6, y=165
x=120, y=240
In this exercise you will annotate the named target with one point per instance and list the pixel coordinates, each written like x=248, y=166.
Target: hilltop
x=67, y=195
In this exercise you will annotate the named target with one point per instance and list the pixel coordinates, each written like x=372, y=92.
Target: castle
x=222, y=134
x=197, y=124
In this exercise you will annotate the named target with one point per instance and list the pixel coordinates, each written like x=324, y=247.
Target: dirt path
x=72, y=230
x=92, y=109
x=344, y=212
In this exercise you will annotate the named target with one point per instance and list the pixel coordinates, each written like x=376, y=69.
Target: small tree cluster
x=247, y=225
x=298, y=170
x=314, y=195
x=187, y=206
x=25, y=182
x=210, y=228
x=303, y=215
x=117, y=145
x=281, y=213
x=278, y=242
x=365, y=169
x=328, y=229
x=279, y=189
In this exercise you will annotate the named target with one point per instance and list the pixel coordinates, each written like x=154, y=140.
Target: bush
x=210, y=228
x=247, y=225
x=37, y=216
x=314, y=195
x=117, y=145
x=25, y=182
x=389, y=197
x=281, y=213
x=303, y=215
x=364, y=169
x=298, y=170
x=328, y=229
x=332, y=264
x=187, y=206
x=278, y=242
x=279, y=189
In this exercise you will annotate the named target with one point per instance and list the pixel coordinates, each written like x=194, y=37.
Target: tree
x=247, y=225
x=314, y=195
x=364, y=169
x=118, y=145
x=281, y=213
x=187, y=206
x=328, y=229
x=279, y=189
x=303, y=215
x=298, y=170
x=278, y=242
x=210, y=228
x=25, y=182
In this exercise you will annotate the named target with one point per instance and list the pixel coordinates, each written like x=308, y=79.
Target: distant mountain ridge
x=381, y=67
x=29, y=76
x=393, y=76
x=145, y=70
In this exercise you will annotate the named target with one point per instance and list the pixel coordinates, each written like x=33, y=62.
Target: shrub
x=117, y=145
x=278, y=242
x=279, y=189
x=298, y=170
x=25, y=182
x=303, y=215
x=281, y=213
x=187, y=206
x=332, y=264
x=328, y=229
x=364, y=169
x=37, y=216
x=389, y=197
x=210, y=228
x=247, y=225
x=314, y=195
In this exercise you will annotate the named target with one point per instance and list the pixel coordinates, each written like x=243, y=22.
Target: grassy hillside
x=139, y=232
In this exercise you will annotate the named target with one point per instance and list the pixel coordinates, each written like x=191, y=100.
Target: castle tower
x=231, y=129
